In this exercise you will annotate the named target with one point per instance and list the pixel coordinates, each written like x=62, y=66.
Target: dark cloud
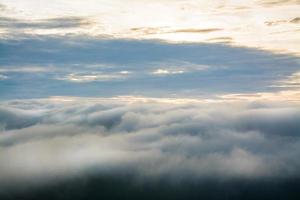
x=53, y=23
x=221, y=39
x=295, y=20
x=278, y=22
x=273, y=23
x=15, y=118
x=279, y=2
x=208, y=30
x=165, y=30
x=148, y=30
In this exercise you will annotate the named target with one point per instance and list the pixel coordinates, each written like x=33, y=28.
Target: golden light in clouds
x=270, y=25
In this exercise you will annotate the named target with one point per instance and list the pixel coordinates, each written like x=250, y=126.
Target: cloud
x=95, y=76
x=148, y=30
x=44, y=139
x=2, y=7
x=221, y=39
x=295, y=20
x=292, y=81
x=3, y=77
x=208, y=30
x=279, y=2
x=166, y=72
x=25, y=69
x=178, y=68
x=281, y=96
x=279, y=22
x=273, y=23
x=168, y=30
x=187, y=21
x=51, y=23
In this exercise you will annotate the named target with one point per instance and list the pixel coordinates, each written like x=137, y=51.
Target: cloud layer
x=45, y=139
x=245, y=23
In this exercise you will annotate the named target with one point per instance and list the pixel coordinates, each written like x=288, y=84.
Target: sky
x=138, y=96
x=183, y=48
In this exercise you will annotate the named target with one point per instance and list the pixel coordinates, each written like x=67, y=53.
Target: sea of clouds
x=45, y=140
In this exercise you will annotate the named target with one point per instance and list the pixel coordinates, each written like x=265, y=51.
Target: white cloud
x=125, y=72
x=95, y=76
x=189, y=140
x=3, y=77
x=244, y=22
x=292, y=81
x=26, y=69
x=178, y=67
x=167, y=71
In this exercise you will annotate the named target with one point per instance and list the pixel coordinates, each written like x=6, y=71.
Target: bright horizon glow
x=258, y=24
